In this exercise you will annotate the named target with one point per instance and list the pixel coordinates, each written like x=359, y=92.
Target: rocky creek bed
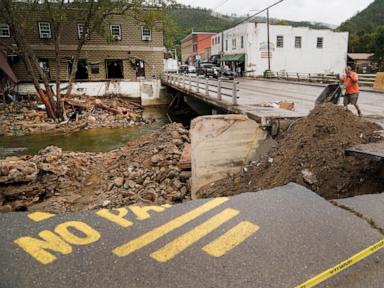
x=144, y=171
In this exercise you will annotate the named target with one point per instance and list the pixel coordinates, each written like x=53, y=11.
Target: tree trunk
x=59, y=102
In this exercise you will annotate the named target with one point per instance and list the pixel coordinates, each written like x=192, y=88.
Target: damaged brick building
x=126, y=50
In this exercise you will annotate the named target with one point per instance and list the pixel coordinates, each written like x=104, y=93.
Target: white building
x=292, y=49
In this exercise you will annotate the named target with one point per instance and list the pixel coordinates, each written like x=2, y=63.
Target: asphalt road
x=275, y=238
x=260, y=91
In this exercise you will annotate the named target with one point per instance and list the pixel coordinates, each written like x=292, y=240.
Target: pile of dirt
x=24, y=117
x=144, y=171
x=312, y=153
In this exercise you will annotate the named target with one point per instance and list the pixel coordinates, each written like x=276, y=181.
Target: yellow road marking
x=89, y=235
x=142, y=212
x=115, y=218
x=181, y=243
x=40, y=216
x=49, y=241
x=342, y=266
x=230, y=239
x=164, y=229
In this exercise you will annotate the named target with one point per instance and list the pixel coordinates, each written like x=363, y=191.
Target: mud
x=312, y=153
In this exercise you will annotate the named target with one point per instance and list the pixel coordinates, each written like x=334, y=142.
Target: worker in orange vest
x=351, y=84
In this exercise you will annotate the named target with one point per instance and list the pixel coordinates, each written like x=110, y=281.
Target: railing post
x=234, y=93
x=206, y=87
x=190, y=83
x=183, y=85
x=219, y=89
x=197, y=84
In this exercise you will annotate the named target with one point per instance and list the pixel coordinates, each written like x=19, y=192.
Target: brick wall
x=97, y=49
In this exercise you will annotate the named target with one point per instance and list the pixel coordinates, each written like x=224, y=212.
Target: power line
x=257, y=13
x=220, y=4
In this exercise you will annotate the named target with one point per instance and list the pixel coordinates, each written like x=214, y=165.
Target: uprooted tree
x=93, y=14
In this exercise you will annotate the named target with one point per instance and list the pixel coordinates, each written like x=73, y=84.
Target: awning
x=6, y=68
x=234, y=58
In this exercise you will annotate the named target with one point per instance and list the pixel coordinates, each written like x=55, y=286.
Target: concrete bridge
x=254, y=98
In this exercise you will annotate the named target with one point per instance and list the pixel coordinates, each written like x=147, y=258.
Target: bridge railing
x=364, y=79
x=209, y=87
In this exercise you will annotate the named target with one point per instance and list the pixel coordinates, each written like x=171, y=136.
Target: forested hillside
x=367, y=31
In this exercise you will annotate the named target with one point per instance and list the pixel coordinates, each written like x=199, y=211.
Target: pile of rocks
x=144, y=171
x=23, y=117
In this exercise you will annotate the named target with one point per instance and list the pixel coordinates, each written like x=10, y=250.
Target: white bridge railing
x=364, y=79
x=213, y=88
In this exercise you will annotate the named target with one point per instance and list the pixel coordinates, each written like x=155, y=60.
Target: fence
x=364, y=79
x=213, y=88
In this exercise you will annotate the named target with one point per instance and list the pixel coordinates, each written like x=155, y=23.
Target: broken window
x=80, y=31
x=44, y=65
x=280, y=42
x=45, y=30
x=82, y=69
x=298, y=42
x=115, y=32
x=95, y=69
x=114, y=69
x=146, y=34
x=320, y=42
x=4, y=31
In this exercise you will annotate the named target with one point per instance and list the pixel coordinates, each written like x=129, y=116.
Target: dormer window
x=45, y=30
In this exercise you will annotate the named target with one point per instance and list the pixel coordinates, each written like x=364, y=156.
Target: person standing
x=352, y=90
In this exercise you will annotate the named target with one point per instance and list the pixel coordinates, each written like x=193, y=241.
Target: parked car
x=187, y=69
x=227, y=73
x=208, y=70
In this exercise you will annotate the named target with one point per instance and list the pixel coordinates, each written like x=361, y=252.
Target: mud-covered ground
x=312, y=153
x=24, y=117
x=144, y=171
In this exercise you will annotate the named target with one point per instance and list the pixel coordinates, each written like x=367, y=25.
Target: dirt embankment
x=312, y=153
x=144, y=171
x=24, y=117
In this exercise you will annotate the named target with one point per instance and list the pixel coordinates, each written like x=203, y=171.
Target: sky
x=328, y=11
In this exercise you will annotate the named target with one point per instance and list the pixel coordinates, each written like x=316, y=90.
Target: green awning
x=234, y=58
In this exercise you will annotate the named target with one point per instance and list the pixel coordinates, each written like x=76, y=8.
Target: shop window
x=114, y=69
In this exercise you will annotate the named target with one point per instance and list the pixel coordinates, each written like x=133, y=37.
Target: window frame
x=226, y=45
x=280, y=40
x=320, y=42
x=5, y=27
x=78, y=31
x=119, y=36
x=301, y=42
x=39, y=25
x=142, y=33
x=234, y=45
x=242, y=42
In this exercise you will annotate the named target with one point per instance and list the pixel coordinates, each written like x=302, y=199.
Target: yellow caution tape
x=343, y=265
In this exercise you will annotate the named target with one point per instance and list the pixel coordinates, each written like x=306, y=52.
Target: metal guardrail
x=364, y=79
x=214, y=88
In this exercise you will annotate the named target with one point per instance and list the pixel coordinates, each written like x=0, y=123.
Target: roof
x=196, y=33
x=360, y=56
x=6, y=68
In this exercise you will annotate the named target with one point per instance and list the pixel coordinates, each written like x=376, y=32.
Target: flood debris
x=26, y=116
x=144, y=171
x=312, y=153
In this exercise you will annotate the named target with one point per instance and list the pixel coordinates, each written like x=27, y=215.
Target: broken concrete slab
x=371, y=150
x=370, y=206
x=221, y=146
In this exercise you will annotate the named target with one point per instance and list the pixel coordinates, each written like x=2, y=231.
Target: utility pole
x=269, y=49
